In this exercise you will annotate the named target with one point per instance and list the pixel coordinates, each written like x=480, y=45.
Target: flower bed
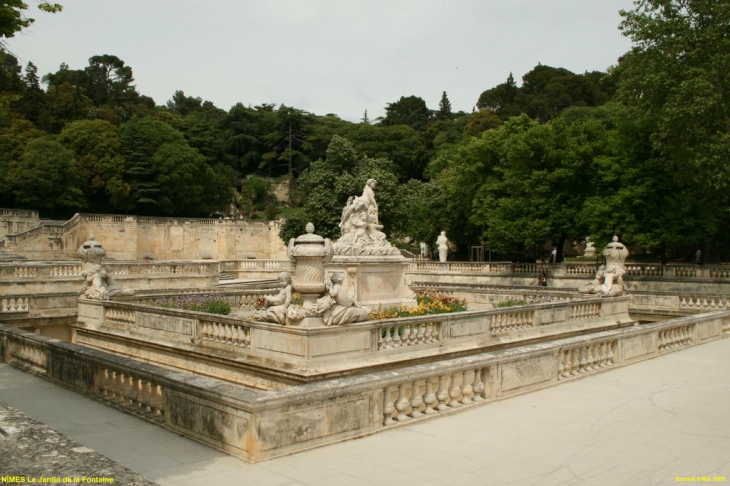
x=429, y=302
x=212, y=303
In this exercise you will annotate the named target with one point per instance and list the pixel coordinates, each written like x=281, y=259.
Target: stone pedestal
x=377, y=281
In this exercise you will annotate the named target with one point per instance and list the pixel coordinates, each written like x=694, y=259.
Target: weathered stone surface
x=33, y=452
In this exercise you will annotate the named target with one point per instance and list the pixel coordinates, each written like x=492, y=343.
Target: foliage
x=675, y=78
x=211, y=303
x=328, y=183
x=408, y=110
x=13, y=19
x=545, y=92
x=429, y=302
x=45, y=177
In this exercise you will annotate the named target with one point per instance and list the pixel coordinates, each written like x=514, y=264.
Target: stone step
x=6, y=255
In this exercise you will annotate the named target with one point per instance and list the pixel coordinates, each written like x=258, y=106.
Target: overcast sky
x=327, y=56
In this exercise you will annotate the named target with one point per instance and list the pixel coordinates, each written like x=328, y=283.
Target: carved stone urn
x=309, y=252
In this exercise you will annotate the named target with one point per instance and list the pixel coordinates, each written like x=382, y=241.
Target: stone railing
x=683, y=302
x=655, y=270
x=72, y=269
x=19, y=213
x=14, y=305
x=44, y=229
x=333, y=349
x=252, y=424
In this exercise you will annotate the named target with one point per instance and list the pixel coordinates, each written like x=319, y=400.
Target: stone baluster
x=388, y=406
x=467, y=390
x=117, y=384
x=402, y=404
x=575, y=364
x=416, y=399
x=102, y=383
x=127, y=391
x=479, y=387
x=397, y=341
x=156, y=402
x=420, y=337
x=455, y=390
x=429, y=397
x=145, y=397
x=589, y=357
x=442, y=394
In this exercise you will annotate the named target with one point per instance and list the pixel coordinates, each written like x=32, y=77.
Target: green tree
x=289, y=144
x=408, y=110
x=501, y=99
x=327, y=184
x=184, y=105
x=444, y=112
x=46, y=179
x=13, y=19
x=96, y=146
x=676, y=74
x=64, y=103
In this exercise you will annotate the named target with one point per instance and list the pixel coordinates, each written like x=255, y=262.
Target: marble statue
x=360, y=227
x=590, y=250
x=609, y=281
x=341, y=307
x=98, y=282
x=277, y=305
x=442, y=243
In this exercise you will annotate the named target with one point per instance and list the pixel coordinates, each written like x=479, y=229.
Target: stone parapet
x=255, y=425
x=270, y=355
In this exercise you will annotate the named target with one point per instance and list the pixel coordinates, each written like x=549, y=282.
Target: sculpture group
x=361, y=228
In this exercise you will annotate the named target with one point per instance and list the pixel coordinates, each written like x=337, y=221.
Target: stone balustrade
x=72, y=270
x=576, y=361
x=295, y=351
x=129, y=392
x=656, y=270
x=256, y=424
x=12, y=305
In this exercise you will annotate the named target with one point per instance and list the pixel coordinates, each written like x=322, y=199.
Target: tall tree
x=677, y=74
x=444, y=112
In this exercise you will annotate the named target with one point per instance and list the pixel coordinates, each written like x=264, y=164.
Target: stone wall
x=14, y=221
x=137, y=237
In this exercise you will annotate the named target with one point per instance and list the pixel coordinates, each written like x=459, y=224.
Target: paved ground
x=659, y=422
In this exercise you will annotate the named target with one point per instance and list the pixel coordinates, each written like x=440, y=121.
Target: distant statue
x=609, y=280
x=360, y=227
x=98, y=282
x=277, y=305
x=442, y=243
x=590, y=250
x=91, y=252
